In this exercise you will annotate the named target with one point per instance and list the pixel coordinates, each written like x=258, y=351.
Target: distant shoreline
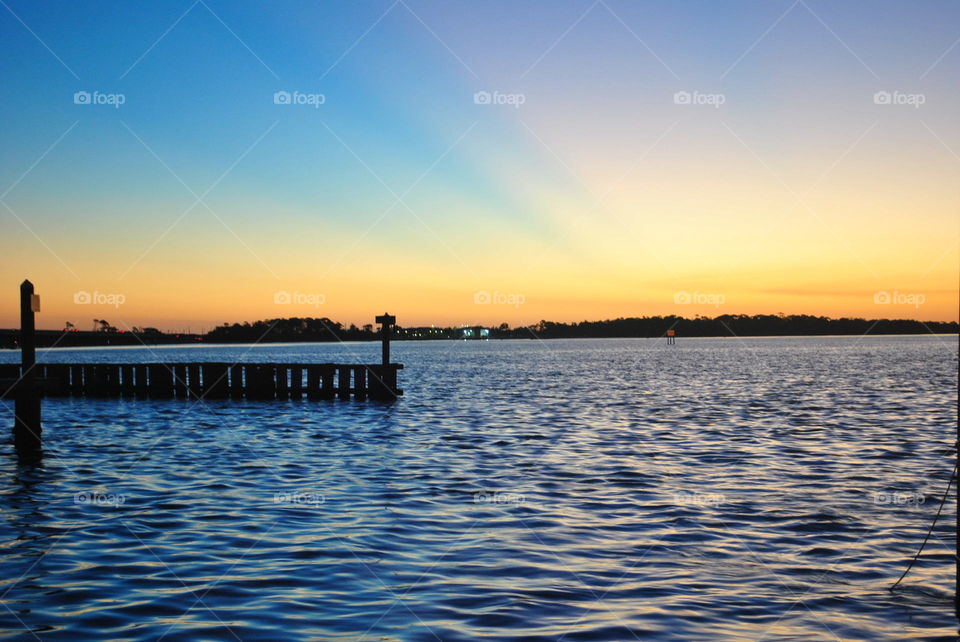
x=210, y=344
x=323, y=330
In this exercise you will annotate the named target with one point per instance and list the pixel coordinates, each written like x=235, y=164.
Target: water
x=576, y=490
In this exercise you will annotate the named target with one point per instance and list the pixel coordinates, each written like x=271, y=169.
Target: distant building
x=476, y=332
x=421, y=333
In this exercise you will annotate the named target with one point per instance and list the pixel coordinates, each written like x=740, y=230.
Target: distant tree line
x=290, y=330
x=310, y=329
x=726, y=325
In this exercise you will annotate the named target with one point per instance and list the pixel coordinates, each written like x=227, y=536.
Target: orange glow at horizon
x=740, y=244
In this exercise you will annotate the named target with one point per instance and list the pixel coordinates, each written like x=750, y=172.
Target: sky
x=188, y=163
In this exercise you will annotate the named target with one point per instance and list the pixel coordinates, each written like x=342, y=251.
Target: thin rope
x=929, y=532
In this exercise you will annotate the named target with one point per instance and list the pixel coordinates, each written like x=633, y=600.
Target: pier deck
x=211, y=380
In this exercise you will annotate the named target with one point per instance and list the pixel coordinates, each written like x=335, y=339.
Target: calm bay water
x=576, y=490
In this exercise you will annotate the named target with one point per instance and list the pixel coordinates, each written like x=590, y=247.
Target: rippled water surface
x=583, y=490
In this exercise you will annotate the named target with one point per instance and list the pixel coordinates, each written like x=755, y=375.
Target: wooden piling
x=140, y=388
x=327, y=390
x=235, y=385
x=360, y=382
x=313, y=382
x=216, y=384
x=260, y=381
x=75, y=379
x=296, y=382
x=385, y=320
x=125, y=382
x=55, y=379
x=161, y=380
x=194, y=384
x=343, y=381
x=283, y=381
x=100, y=377
x=26, y=428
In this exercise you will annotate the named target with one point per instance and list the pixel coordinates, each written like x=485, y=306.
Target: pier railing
x=212, y=380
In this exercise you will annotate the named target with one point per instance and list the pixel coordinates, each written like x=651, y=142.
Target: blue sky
x=298, y=189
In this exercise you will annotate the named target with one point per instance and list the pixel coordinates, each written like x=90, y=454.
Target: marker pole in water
x=26, y=428
x=671, y=337
x=383, y=381
x=386, y=320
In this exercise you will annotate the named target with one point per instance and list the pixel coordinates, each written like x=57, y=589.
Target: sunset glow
x=598, y=187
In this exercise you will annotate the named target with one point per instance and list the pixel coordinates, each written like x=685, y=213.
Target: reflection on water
x=604, y=489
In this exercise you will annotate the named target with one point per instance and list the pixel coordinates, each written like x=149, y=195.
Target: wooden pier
x=262, y=381
x=29, y=381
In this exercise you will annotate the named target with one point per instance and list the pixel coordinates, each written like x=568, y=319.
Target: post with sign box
x=382, y=382
x=26, y=428
x=386, y=321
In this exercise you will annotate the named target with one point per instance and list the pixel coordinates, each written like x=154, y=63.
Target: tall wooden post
x=26, y=428
x=382, y=383
x=386, y=320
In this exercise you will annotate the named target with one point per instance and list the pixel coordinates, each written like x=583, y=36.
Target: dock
x=209, y=380
x=29, y=382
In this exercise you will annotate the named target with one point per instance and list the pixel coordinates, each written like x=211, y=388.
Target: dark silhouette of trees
x=725, y=325
x=102, y=325
x=290, y=330
x=324, y=329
